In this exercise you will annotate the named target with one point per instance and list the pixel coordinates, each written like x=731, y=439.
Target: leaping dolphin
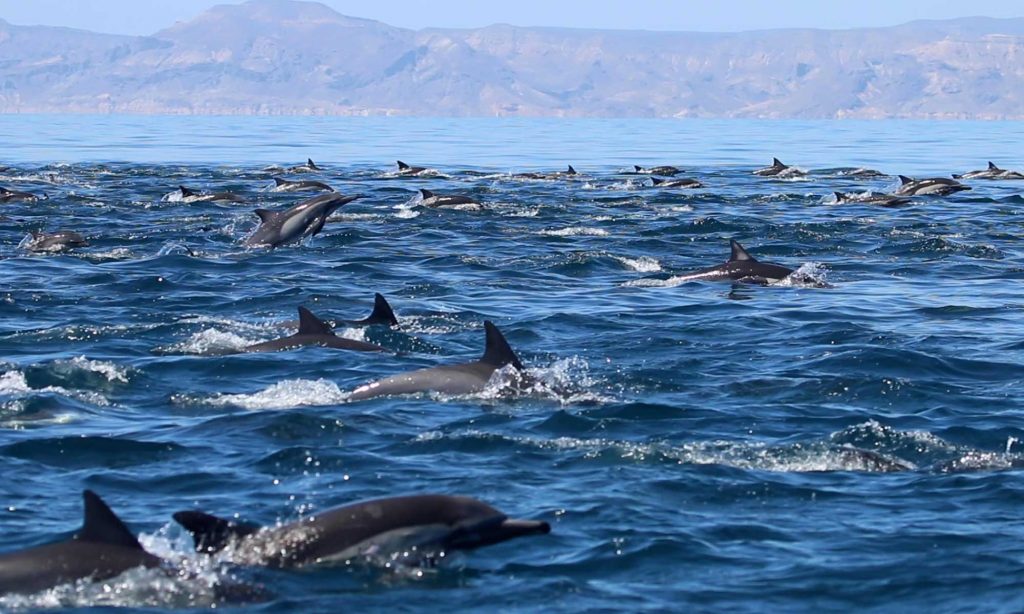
x=664, y=171
x=313, y=331
x=381, y=526
x=934, y=186
x=305, y=219
x=101, y=549
x=191, y=196
x=429, y=199
x=284, y=185
x=465, y=378
x=741, y=267
x=779, y=169
x=992, y=172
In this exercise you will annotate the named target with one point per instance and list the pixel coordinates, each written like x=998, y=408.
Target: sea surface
x=850, y=440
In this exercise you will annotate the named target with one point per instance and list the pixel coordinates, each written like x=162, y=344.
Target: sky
x=140, y=17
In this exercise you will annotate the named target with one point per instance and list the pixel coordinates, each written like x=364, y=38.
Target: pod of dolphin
x=430, y=523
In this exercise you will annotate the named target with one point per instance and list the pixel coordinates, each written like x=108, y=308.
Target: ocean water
x=698, y=446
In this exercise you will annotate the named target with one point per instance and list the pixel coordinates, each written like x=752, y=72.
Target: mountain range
x=303, y=58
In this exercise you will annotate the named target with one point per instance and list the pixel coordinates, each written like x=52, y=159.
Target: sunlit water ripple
x=700, y=446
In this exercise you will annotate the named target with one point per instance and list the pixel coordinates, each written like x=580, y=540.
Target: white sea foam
x=209, y=341
x=284, y=395
x=643, y=264
x=109, y=370
x=575, y=231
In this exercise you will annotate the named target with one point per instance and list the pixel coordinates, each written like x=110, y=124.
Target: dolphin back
x=211, y=534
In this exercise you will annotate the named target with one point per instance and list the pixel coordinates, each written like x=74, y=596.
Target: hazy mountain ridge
x=284, y=57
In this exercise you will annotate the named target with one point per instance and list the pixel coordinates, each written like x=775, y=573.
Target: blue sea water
x=697, y=446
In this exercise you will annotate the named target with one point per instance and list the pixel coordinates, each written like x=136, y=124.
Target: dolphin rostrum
x=871, y=198
x=778, y=169
x=427, y=523
x=284, y=185
x=664, y=171
x=313, y=331
x=429, y=199
x=191, y=196
x=464, y=378
x=305, y=219
x=101, y=549
x=934, y=186
x=992, y=172
x=741, y=267
x=676, y=183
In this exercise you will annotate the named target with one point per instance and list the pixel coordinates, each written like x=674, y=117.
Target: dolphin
x=664, y=171
x=463, y=378
x=378, y=527
x=871, y=198
x=55, y=241
x=101, y=549
x=405, y=169
x=191, y=196
x=992, y=172
x=569, y=172
x=779, y=169
x=675, y=183
x=313, y=331
x=863, y=173
x=935, y=186
x=741, y=267
x=8, y=196
x=305, y=219
x=283, y=185
x=464, y=202
x=304, y=168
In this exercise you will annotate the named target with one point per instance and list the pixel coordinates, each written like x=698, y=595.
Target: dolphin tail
x=738, y=253
x=497, y=351
x=402, y=165
x=309, y=324
x=382, y=312
x=101, y=524
x=210, y=533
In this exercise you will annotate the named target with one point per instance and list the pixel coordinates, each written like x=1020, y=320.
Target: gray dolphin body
x=59, y=241
x=465, y=378
x=778, y=168
x=676, y=183
x=435, y=200
x=664, y=171
x=101, y=549
x=992, y=172
x=9, y=196
x=872, y=198
x=934, y=186
x=378, y=527
x=191, y=196
x=305, y=219
x=313, y=331
x=741, y=267
x=284, y=185
x=569, y=172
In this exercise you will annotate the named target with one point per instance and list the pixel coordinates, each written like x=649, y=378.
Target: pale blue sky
x=148, y=16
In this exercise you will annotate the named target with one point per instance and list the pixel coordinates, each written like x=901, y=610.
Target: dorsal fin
x=382, y=312
x=426, y=194
x=402, y=165
x=777, y=162
x=497, y=351
x=210, y=533
x=993, y=167
x=637, y=168
x=571, y=170
x=265, y=215
x=904, y=180
x=3, y=190
x=839, y=195
x=185, y=192
x=656, y=181
x=102, y=526
x=311, y=164
x=738, y=253
x=280, y=182
x=309, y=324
